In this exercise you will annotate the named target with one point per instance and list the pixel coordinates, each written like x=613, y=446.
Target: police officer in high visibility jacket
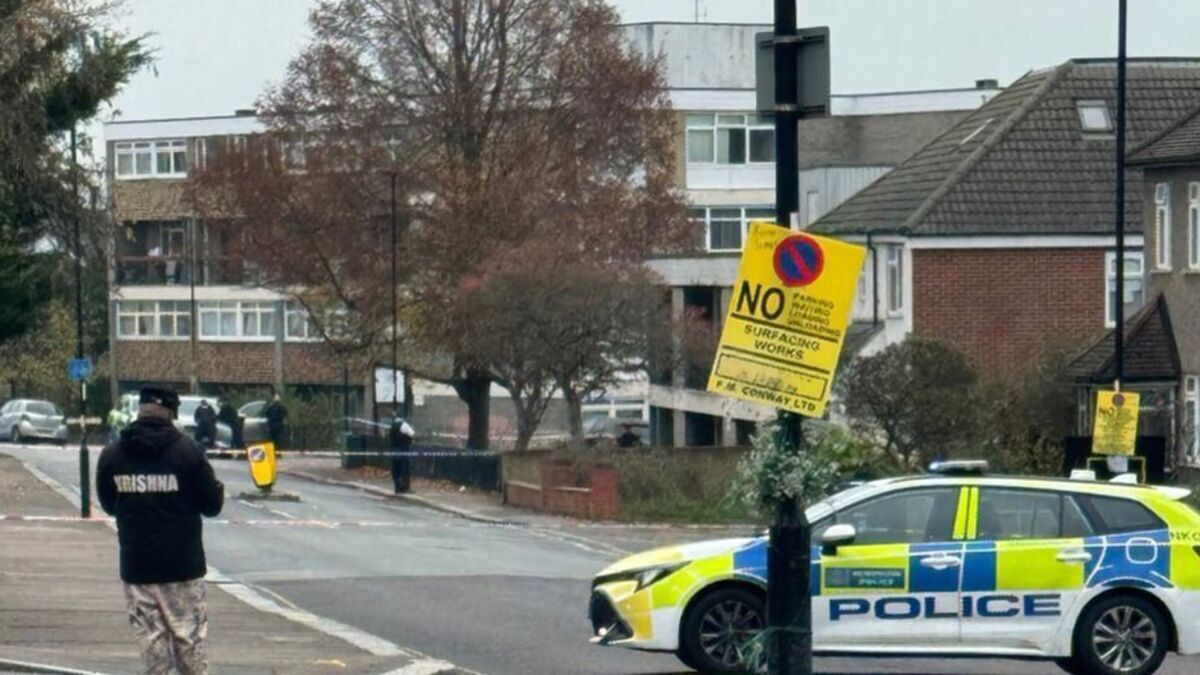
x=158, y=483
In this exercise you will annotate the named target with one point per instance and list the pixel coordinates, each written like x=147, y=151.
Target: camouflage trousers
x=171, y=624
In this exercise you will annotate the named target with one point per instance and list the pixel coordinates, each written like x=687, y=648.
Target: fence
x=471, y=468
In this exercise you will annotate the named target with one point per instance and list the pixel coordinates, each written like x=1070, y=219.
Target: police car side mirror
x=837, y=535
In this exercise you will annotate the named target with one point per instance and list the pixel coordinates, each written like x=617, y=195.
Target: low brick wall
x=562, y=490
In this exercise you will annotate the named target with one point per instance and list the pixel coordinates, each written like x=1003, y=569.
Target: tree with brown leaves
x=514, y=131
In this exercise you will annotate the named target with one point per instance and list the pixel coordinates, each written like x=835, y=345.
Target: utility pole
x=789, y=603
x=395, y=311
x=85, y=480
x=1119, y=349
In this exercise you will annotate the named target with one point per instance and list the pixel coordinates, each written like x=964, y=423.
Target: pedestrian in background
x=206, y=424
x=276, y=414
x=157, y=483
x=401, y=436
x=227, y=415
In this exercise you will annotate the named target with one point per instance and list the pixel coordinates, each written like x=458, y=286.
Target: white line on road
x=281, y=514
x=372, y=644
x=432, y=667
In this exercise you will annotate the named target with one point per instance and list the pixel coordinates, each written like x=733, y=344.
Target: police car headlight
x=644, y=577
x=653, y=575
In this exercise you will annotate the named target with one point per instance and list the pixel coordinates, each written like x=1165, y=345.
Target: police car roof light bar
x=959, y=467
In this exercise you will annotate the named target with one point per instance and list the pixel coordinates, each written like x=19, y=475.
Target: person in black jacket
x=276, y=413
x=206, y=424
x=157, y=483
x=230, y=417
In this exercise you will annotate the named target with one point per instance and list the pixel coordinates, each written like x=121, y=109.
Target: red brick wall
x=1000, y=306
x=226, y=362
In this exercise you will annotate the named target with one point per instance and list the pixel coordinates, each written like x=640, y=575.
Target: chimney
x=245, y=112
x=987, y=84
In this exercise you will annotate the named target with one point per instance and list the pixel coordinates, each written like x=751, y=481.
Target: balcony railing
x=178, y=270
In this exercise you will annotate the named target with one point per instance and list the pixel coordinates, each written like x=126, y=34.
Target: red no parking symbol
x=798, y=260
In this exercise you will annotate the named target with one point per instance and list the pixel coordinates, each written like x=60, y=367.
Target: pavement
x=62, y=607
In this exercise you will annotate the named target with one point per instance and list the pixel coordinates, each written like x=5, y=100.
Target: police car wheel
x=1121, y=634
x=717, y=629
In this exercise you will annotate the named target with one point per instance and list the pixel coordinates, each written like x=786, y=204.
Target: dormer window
x=1094, y=117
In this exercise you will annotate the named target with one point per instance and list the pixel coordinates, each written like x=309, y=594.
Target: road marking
x=281, y=514
x=429, y=667
x=372, y=644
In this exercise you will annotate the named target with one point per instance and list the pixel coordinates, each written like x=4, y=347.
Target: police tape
x=257, y=522
x=463, y=454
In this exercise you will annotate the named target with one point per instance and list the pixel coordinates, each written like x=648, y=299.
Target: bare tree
x=505, y=125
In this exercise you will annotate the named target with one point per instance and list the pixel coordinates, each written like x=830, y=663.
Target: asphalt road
x=499, y=600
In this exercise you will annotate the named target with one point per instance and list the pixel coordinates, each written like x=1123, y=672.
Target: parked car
x=186, y=421
x=1099, y=577
x=254, y=421
x=26, y=420
x=611, y=430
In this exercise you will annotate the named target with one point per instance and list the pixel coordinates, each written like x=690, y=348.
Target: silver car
x=186, y=420
x=24, y=420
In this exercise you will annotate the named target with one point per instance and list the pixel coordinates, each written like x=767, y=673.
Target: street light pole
x=1119, y=331
x=85, y=480
x=789, y=603
x=395, y=317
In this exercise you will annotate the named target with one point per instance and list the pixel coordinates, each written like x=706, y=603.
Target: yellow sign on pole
x=262, y=464
x=787, y=320
x=1115, y=429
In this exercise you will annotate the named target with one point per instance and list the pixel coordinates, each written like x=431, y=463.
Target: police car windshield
x=835, y=501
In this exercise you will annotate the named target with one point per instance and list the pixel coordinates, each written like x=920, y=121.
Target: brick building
x=1162, y=342
x=181, y=311
x=997, y=236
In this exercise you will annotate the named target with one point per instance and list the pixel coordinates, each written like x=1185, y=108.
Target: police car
x=1101, y=577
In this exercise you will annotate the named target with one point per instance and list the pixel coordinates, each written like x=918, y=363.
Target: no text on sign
x=1114, y=431
x=786, y=324
x=79, y=369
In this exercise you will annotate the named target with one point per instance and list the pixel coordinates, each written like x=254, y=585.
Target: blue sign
x=79, y=369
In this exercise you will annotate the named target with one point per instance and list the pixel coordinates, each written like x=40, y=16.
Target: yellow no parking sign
x=787, y=320
x=1114, y=431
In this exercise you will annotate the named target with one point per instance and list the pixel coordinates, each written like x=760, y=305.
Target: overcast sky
x=217, y=55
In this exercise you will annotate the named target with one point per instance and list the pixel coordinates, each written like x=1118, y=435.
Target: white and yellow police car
x=1101, y=577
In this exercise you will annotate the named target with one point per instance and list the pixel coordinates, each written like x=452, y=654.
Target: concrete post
x=280, y=329
x=679, y=372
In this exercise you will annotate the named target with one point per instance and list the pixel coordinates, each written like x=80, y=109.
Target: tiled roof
x=1150, y=350
x=1021, y=163
x=1179, y=142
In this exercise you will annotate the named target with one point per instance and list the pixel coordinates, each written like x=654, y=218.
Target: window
x=1094, y=117
x=725, y=227
x=1194, y=225
x=1134, y=285
x=299, y=325
x=895, y=278
x=174, y=319
x=135, y=319
x=147, y=318
x=907, y=517
x=1191, y=421
x=44, y=408
x=228, y=319
x=1113, y=515
x=812, y=206
x=1162, y=226
x=258, y=319
x=1019, y=514
x=150, y=159
x=218, y=319
x=729, y=138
